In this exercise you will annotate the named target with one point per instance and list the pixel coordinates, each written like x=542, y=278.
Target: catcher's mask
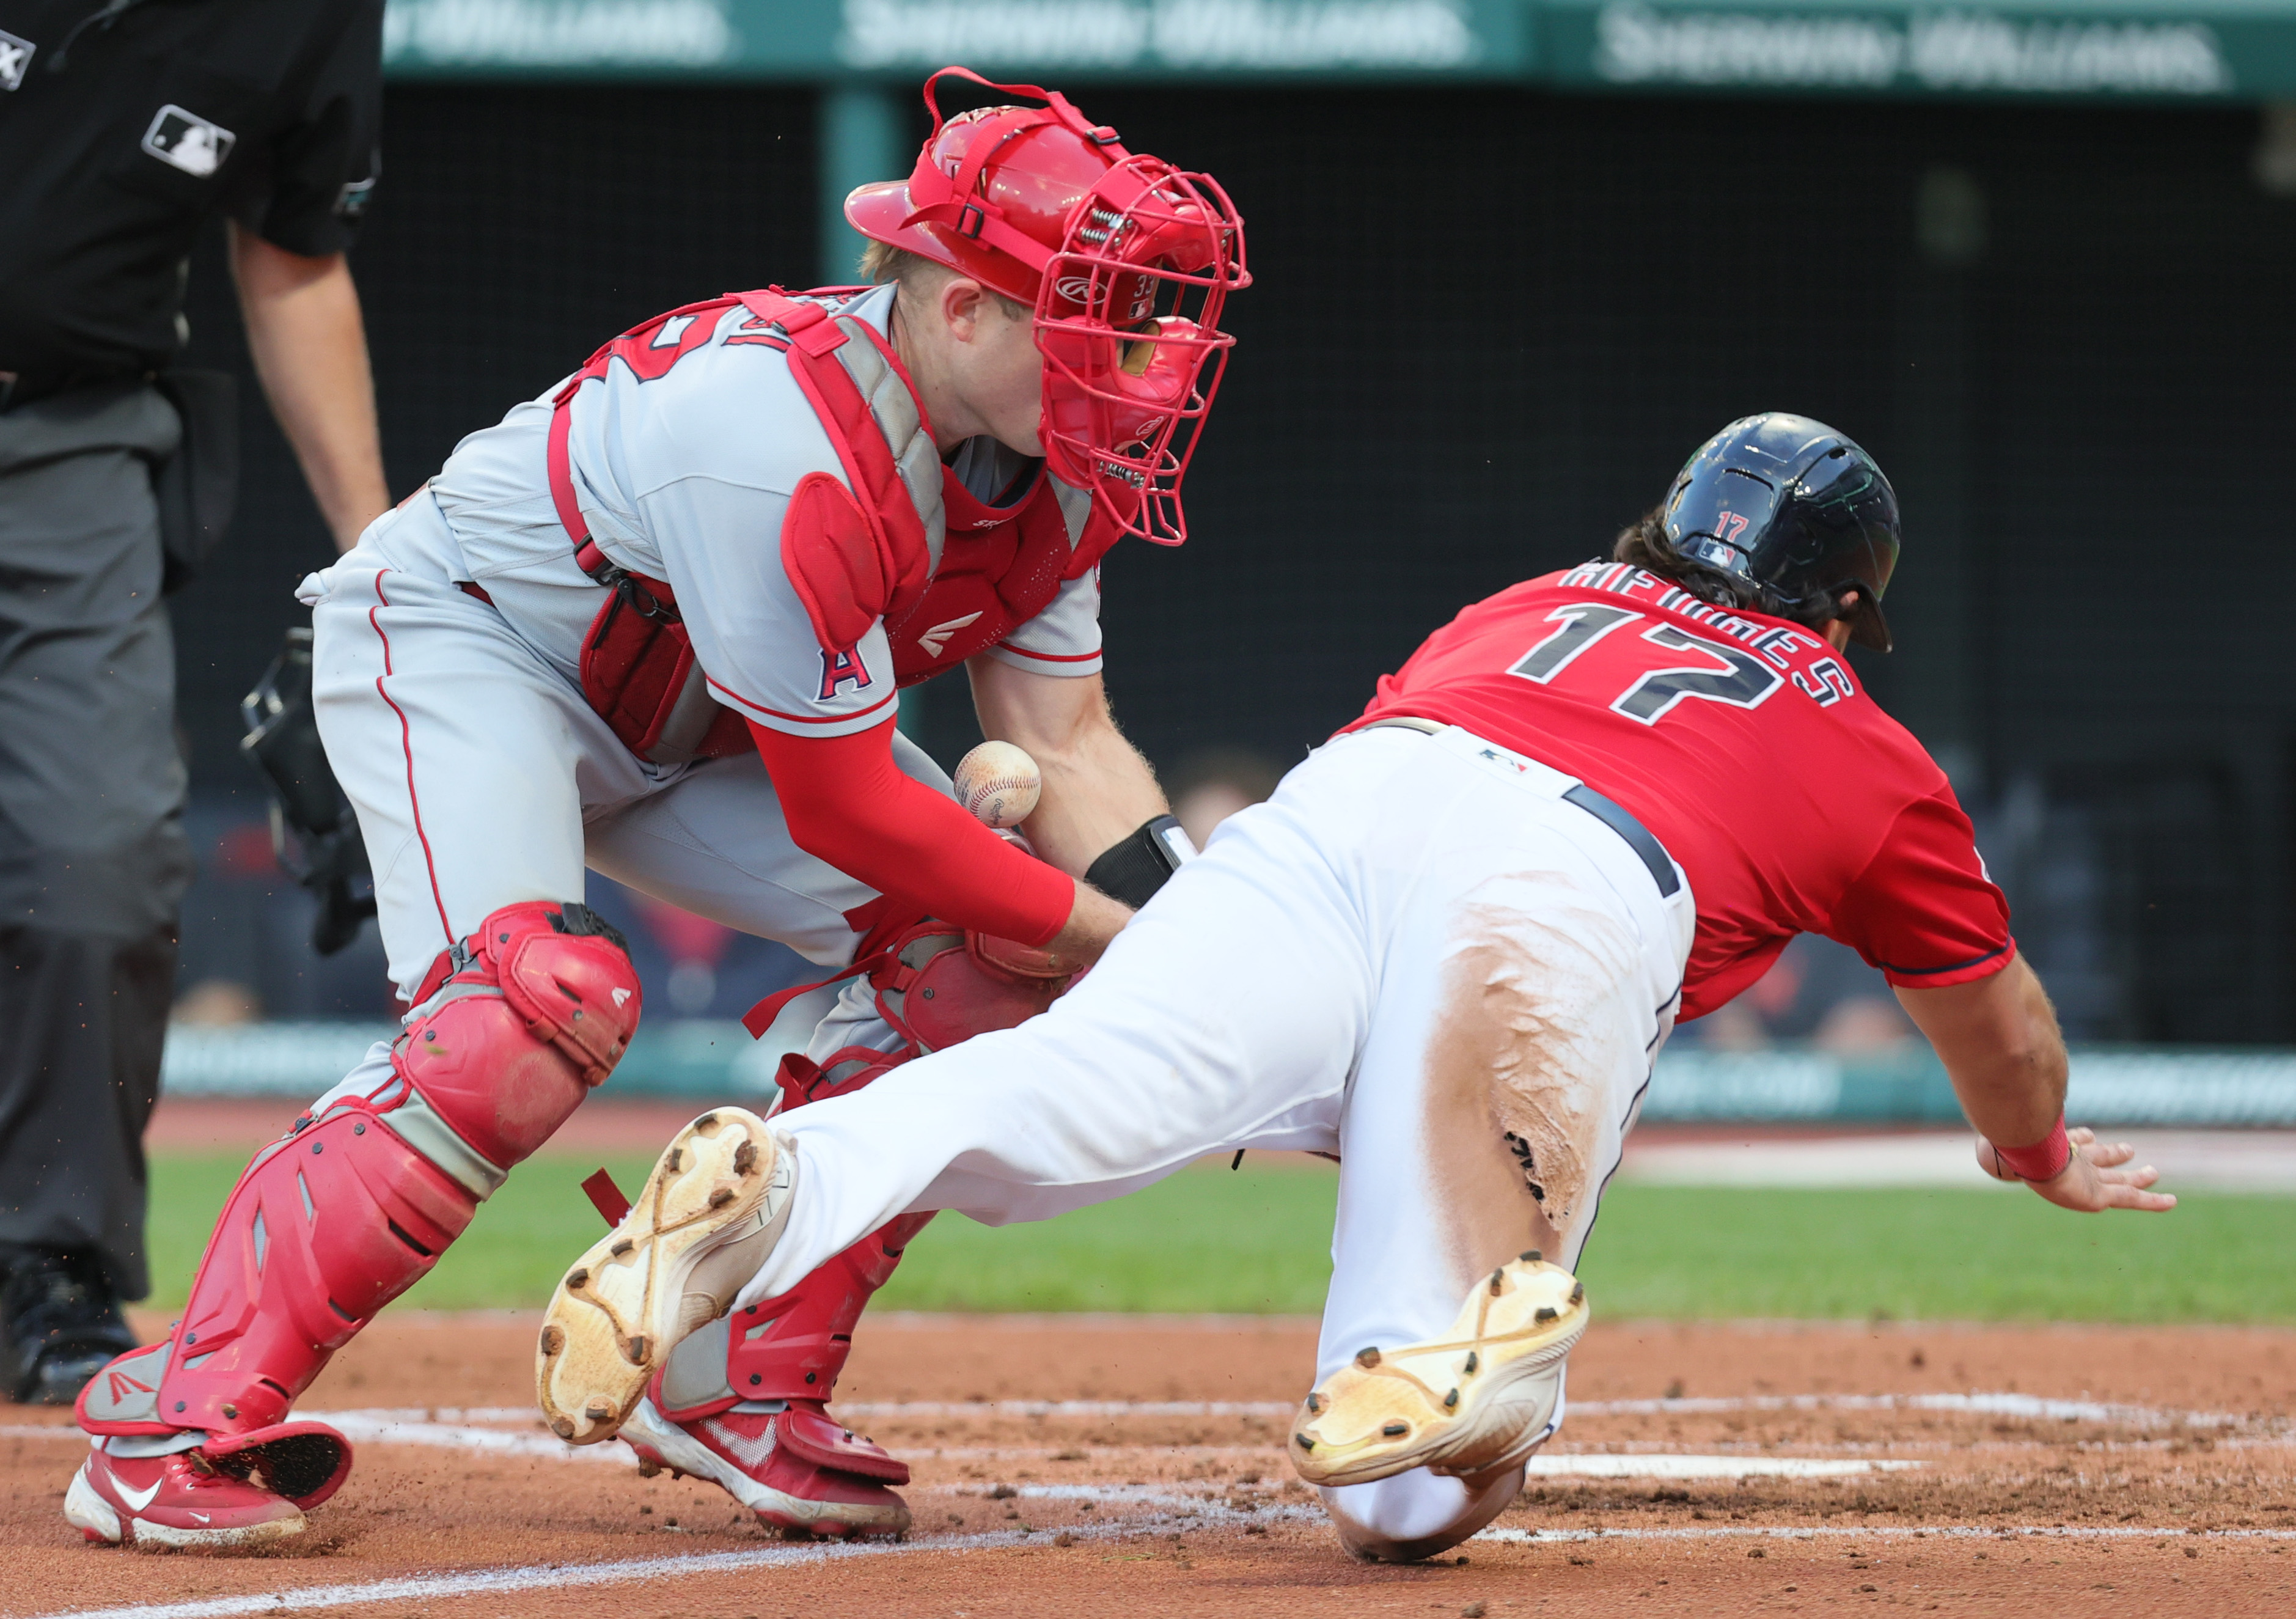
x=1791, y=505
x=1125, y=260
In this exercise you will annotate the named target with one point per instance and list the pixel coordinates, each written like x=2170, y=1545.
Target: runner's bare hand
x=2093, y=1180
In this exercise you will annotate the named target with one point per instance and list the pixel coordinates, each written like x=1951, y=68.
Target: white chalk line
x=563, y=1575
x=548, y=1576
x=1943, y=1531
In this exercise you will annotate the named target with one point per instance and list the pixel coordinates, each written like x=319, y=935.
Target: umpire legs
x=92, y=865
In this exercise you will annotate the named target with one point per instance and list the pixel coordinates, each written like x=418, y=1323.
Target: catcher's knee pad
x=511, y=1029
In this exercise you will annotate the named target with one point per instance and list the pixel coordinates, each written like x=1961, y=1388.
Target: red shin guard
x=511, y=1031
x=793, y=1347
x=325, y=1228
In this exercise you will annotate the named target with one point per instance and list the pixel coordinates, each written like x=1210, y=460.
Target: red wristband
x=2044, y=1160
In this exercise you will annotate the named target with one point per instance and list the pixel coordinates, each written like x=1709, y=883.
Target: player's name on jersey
x=1816, y=672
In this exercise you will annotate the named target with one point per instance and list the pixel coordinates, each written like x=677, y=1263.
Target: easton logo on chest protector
x=874, y=545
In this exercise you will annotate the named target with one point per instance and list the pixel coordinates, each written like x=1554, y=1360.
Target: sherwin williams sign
x=770, y=38
x=1632, y=44
x=2087, y=48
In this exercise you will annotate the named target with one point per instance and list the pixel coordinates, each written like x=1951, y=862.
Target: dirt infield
x=1087, y=1466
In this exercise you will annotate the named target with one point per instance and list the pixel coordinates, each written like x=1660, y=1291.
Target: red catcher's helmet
x=1125, y=261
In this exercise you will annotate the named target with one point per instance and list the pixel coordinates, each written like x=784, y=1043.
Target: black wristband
x=1134, y=869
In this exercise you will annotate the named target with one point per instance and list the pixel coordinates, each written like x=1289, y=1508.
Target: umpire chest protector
x=899, y=537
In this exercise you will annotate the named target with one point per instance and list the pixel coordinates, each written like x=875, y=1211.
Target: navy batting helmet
x=1790, y=504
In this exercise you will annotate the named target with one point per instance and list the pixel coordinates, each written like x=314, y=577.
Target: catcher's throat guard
x=1124, y=261
x=313, y=830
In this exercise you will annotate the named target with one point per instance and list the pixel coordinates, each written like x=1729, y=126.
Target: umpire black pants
x=93, y=857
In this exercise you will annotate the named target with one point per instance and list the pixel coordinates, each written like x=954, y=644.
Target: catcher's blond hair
x=920, y=276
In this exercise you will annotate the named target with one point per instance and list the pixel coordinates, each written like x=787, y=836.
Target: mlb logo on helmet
x=186, y=141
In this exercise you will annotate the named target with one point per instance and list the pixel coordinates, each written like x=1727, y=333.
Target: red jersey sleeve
x=847, y=802
x=1924, y=910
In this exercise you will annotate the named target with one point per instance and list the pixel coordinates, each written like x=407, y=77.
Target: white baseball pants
x=481, y=777
x=1415, y=956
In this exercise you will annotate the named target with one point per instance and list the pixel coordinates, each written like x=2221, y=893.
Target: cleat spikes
x=745, y=1158
x=633, y=1296
x=1532, y=1256
x=1480, y=1397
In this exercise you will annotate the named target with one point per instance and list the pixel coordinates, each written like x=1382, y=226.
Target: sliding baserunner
x=653, y=623
x=1448, y=951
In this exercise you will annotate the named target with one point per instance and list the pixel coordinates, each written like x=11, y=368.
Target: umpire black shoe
x=60, y=1322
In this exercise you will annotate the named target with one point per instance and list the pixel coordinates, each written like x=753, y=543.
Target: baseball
x=999, y=784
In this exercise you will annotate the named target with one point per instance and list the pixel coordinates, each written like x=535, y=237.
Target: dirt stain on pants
x=1523, y=1050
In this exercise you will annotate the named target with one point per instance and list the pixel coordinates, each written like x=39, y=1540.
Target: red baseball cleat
x=797, y=1468
x=174, y=1500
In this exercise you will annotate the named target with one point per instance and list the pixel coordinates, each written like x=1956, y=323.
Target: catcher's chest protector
x=900, y=538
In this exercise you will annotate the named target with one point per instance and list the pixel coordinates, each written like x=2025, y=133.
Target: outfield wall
x=708, y=1060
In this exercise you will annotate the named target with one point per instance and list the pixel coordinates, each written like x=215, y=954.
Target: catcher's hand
x=2093, y=1180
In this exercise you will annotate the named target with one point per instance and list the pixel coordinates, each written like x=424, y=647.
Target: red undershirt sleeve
x=848, y=803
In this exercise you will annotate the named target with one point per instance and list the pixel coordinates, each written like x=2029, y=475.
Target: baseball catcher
x=653, y=623
x=1448, y=950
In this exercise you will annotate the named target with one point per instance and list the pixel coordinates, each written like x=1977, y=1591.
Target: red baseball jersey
x=1743, y=741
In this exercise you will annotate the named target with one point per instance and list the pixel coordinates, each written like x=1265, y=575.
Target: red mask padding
x=848, y=803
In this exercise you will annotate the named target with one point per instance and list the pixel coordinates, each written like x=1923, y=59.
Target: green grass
x=1250, y=1243
x=1258, y=1240
x=1978, y=1256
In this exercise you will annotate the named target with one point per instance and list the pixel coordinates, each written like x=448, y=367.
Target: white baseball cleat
x=709, y=1215
x=1483, y=1398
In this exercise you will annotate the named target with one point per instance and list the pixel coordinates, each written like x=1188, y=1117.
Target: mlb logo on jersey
x=186, y=141
x=15, y=56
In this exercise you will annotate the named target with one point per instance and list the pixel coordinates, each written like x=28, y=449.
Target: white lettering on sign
x=1966, y=50
x=560, y=33
x=1197, y=34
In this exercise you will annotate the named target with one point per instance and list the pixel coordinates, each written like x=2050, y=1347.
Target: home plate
x=1705, y=1466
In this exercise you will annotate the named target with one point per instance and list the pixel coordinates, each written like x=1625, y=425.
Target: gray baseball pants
x=94, y=862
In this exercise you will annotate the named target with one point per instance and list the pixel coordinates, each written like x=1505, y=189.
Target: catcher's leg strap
x=326, y=1226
